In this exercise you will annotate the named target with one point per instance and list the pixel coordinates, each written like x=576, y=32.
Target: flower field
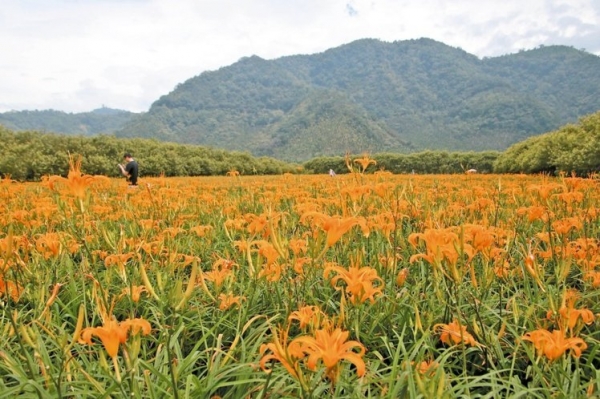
x=360, y=285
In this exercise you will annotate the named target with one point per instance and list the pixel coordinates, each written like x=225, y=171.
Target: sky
x=79, y=55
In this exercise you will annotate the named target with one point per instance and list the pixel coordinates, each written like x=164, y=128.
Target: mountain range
x=101, y=120
x=373, y=96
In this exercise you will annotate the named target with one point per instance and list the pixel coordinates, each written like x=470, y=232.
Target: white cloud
x=78, y=55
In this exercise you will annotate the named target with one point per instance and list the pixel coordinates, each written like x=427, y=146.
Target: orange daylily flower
x=223, y=264
x=554, y=344
x=502, y=269
x=331, y=347
x=334, y=226
x=365, y=161
x=533, y=213
x=544, y=190
x=299, y=265
x=440, y=245
x=76, y=182
x=272, y=271
x=148, y=224
x=6, y=179
x=356, y=192
x=530, y=265
x=241, y=245
x=570, y=316
x=135, y=292
x=113, y=333
x=454, y=334
x=570, y=197
x=287, y=354
x=268, y=251
x=226, y=301
x=256, y=223
x=118, y=260
x=201, y=231
x=385, y=222
x=427, y=367
x=11, y=289
x=135, y=326
x=402, y=276
x=152, y=248
x=359, y=282
x=217, y=276
x=594, y=277
x=183, y=260
x=172, y=232
x=481, y=238
x=564, y=226
x=307, y=316
x=298, y=246
x=235, y=224
x=49, y=245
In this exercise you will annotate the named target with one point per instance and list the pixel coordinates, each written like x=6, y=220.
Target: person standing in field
x=130, y=170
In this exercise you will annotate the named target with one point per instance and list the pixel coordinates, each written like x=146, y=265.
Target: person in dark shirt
x=130, y=170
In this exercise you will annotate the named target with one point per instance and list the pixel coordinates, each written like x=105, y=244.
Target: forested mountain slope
x=376, y=96
x=101, y=120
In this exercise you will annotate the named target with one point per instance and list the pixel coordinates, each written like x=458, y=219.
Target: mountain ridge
x=408, y=95
x=367, y=95
x=99, y=120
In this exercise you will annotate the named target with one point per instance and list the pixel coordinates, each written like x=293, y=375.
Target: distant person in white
x=331, y=173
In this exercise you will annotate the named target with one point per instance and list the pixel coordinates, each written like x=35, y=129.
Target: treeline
x=420, y=162
x=30, y=155
x=572, y=148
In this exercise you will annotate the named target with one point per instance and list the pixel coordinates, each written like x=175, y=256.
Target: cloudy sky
x=78, y=55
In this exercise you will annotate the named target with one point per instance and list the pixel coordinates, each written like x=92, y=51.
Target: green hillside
x=572, y=148
x=375, y=96
x=342, y=126
x=101, y=120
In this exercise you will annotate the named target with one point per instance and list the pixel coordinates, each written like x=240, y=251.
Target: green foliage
x=572, y=148
x=374, y=96
x=421, y=162
x=102, y=120
x=342, y=127
x=31, y=155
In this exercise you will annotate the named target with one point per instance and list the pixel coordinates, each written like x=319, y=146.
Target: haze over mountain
x=375, y=96
x=101, y=120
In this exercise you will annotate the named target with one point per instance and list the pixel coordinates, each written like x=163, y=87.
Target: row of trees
x=572, y=148
x=30, y=155
x=420, y=162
